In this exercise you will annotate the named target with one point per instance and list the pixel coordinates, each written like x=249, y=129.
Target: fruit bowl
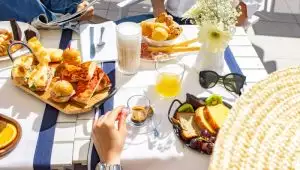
x=207, y=140
x=156, y=43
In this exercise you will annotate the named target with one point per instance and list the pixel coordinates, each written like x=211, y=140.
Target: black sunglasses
x=233, y=82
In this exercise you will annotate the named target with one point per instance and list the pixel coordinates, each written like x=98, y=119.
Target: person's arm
x=109, y=148
x=158, y=7
x=72, y=6
x=243, y=17
x=89, y=12
x=248, y=8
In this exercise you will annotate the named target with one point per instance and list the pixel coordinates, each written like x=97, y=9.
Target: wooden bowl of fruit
x=197, y=121
x=160, y=31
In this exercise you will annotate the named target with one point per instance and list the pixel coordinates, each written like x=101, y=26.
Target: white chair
x=124, y=7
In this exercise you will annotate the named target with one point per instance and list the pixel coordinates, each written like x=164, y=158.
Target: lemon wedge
x=8, y=133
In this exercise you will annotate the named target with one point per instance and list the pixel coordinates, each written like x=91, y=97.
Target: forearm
x=158, y=7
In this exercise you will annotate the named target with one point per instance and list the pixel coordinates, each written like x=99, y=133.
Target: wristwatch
x=101, y=166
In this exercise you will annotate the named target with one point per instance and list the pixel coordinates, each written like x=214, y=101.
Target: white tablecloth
x=143, y=151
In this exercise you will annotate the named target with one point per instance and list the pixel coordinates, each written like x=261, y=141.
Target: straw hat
x=263, y=129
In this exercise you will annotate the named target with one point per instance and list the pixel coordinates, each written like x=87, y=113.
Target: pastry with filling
x=71, y=56
x=40, y=78
x=86, y=89
x=22, y=68
x=75, y=73
x=39, y=51
x=62, y=91
x=55, y=54
x=105, y=82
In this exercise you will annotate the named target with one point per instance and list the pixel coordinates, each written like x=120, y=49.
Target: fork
x=101, y=43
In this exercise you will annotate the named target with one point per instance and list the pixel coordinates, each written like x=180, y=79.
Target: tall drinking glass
x=129, y=38
x=168, y=83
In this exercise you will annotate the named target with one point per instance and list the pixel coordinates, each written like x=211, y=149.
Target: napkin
x=89, y=40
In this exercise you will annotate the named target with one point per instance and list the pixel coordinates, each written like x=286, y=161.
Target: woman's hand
x=89, y=12
x=158, y=7
x=108, y=139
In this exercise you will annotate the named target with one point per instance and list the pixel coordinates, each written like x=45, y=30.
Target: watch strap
x=101, y=166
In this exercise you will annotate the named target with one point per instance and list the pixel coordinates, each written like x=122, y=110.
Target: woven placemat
x=263, y=128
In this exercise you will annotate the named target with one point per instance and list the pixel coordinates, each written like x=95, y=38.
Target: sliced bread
x=216, y=115
x=201, y=121
x=189, y=127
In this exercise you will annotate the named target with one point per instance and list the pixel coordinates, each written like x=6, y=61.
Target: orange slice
x=8, y=133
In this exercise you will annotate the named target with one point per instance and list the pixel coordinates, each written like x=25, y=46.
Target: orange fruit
x=8, y=133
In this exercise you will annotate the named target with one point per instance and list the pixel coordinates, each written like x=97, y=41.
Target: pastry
x=39, y=51
x=104, y=82
x=159, y=34
x=22, y=68
x=62, y=91
x=86, y=89
x=75, y=73
x=147, y=28
x=40, y=78
x=71, y=56
x=175, y=31
x=5, y=38
x=55, y=54
x=163, y=28
x=161, y=17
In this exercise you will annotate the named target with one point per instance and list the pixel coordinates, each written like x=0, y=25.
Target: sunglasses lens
x=234, y=83
x=208, y=79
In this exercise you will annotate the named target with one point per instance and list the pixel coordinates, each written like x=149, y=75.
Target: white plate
x=23, y=26
x=160, y=43
x=172, y=57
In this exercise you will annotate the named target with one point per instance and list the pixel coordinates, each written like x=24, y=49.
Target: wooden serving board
x=14, y=143
x=69, y=107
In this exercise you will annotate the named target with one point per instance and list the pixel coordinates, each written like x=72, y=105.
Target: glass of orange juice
x=168, y=83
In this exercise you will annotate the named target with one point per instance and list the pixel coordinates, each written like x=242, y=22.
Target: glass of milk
x=129, y=38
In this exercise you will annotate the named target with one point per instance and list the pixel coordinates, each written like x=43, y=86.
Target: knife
x=16, y=30
x=92, y=45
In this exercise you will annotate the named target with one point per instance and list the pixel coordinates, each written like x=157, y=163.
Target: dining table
x=55, y=140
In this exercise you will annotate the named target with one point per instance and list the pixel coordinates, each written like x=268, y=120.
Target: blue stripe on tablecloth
x=43, y=150
x=109, y=69
x=231, y=62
